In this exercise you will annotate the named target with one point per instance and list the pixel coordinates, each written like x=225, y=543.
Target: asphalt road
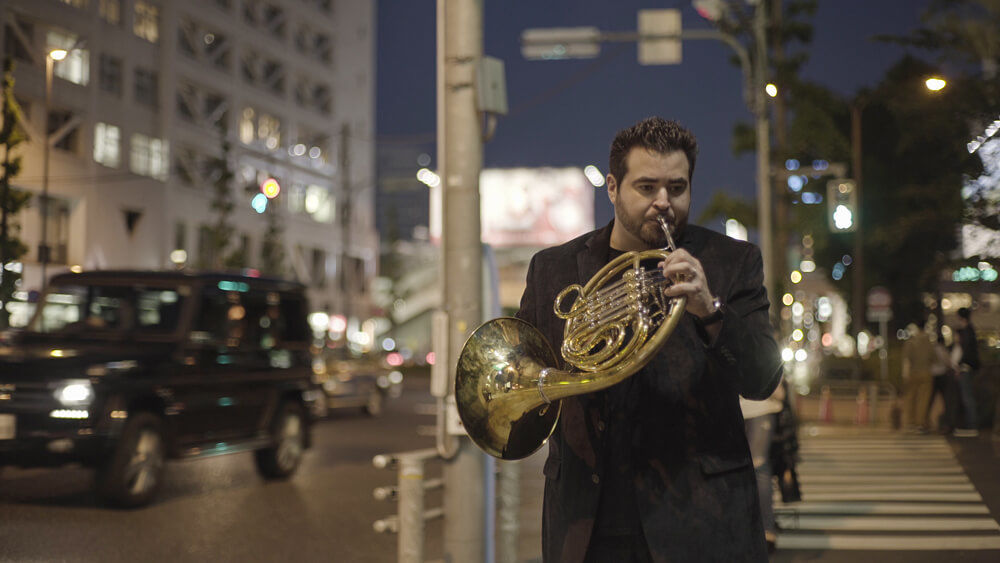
x=219, y=509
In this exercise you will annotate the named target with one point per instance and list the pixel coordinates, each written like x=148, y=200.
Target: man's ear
x=612, y=188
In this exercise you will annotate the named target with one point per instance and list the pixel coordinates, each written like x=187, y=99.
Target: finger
x=681, y=288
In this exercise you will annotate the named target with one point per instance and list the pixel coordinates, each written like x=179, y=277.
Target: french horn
x=507, y=386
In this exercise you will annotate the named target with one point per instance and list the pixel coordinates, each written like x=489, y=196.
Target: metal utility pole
x=43, y=246
x=460, y=157
x=762, y=123
x=346, y=274
x=857, y=279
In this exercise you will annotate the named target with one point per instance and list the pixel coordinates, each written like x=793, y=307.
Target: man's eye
x=647, y=187
x=677, y=189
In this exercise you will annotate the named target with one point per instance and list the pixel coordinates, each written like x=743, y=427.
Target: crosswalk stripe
x=888, y=542
x=813, y=487
x=908, y=524
x=890, y=479
x=896, y=496
x=860, y=508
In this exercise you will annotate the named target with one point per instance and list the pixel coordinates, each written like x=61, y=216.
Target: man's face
x=654, y=184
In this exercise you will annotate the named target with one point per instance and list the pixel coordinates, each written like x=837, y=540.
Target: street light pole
x=43, y=247
x=763, y=126
x=857, y=280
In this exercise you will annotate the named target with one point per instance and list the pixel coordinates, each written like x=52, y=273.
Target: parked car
x=123, y=370
x=353, y=379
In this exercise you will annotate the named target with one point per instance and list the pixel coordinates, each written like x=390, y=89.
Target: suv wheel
x=133, y=474
x=288, y=433
x=373, y=407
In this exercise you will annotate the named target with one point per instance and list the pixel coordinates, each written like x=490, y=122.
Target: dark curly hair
x=654, y=133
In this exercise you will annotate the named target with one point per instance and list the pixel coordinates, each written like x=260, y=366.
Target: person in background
x=759, y=419
x=968, y=365
x=917, y=382
x=942, y=371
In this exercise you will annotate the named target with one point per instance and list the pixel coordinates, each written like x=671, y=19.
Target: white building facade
x=135, y=118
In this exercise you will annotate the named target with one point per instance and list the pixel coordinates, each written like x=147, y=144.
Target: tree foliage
x=12, y=200
x=220, y=232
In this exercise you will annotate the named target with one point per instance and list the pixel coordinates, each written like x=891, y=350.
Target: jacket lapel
x=594, y=255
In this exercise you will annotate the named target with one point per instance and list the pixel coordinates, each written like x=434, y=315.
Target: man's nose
x=661, y=201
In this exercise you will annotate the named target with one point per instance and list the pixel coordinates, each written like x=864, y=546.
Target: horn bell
x=497, y=388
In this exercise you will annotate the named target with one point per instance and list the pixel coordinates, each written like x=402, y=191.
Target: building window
x=107, y=145
x=318, y=204
x=180, y=236
x=76, y=66
x=150, y=156
x=109, y=74
x=147, y=21
x=264, y=127
x=111, y=11
x=57, y=221
x=146, y=90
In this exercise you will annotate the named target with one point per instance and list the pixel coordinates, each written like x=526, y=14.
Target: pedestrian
x=657, y=467
x=760, y=418
x=917, y=381
x=943, y=371
x=968, y=366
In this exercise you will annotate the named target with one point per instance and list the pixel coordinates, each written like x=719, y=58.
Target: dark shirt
x=967, y=340
x=617, y=513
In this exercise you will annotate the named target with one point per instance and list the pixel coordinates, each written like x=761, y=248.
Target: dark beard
x=650, y=234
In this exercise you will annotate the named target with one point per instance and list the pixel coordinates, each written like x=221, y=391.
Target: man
x=657, y=468
x=967, y=367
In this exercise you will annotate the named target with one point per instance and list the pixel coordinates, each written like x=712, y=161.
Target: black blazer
x=695, y=488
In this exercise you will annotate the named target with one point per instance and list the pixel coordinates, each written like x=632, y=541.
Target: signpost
x=880, y=311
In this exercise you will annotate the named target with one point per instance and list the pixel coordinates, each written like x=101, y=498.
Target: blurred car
x=121, y=371
x=356, y=380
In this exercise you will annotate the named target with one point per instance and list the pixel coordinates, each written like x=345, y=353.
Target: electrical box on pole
x=491, y=86
x=659, y=37
x=842, y=205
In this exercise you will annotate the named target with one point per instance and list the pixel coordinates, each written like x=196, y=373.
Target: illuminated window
x=109, y=74
x=76, y=66
x=147, y=21
x=107, y=145
x=111, y=11
x=247, y=125
x=318, y=204
x=149, y=156
x=263, y=127
x=146, y=87
x=269, y=130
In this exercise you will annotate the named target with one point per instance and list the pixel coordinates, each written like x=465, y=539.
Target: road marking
x=807, y=507
x=888, y=542
x=908, y=524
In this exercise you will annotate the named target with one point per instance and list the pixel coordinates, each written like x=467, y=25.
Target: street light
x=43, y=247
x=935, y=83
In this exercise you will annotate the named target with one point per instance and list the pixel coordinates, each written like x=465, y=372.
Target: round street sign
x=879, y=304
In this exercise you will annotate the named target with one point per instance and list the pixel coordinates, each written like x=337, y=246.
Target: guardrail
x=411, y=515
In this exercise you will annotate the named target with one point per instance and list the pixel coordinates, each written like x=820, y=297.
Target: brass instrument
x=506, y=381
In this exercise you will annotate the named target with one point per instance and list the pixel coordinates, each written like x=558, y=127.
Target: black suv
x=123, y=370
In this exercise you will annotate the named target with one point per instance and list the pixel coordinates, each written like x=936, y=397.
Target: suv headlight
x=75, y=393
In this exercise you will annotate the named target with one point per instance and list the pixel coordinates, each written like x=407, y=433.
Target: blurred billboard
x=528, y=207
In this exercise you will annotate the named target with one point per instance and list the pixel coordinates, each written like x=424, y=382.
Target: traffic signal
x=842, y=205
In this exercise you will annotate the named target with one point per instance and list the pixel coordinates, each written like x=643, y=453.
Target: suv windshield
x=93, y=310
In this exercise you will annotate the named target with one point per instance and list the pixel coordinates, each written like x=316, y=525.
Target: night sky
x=565, y=113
